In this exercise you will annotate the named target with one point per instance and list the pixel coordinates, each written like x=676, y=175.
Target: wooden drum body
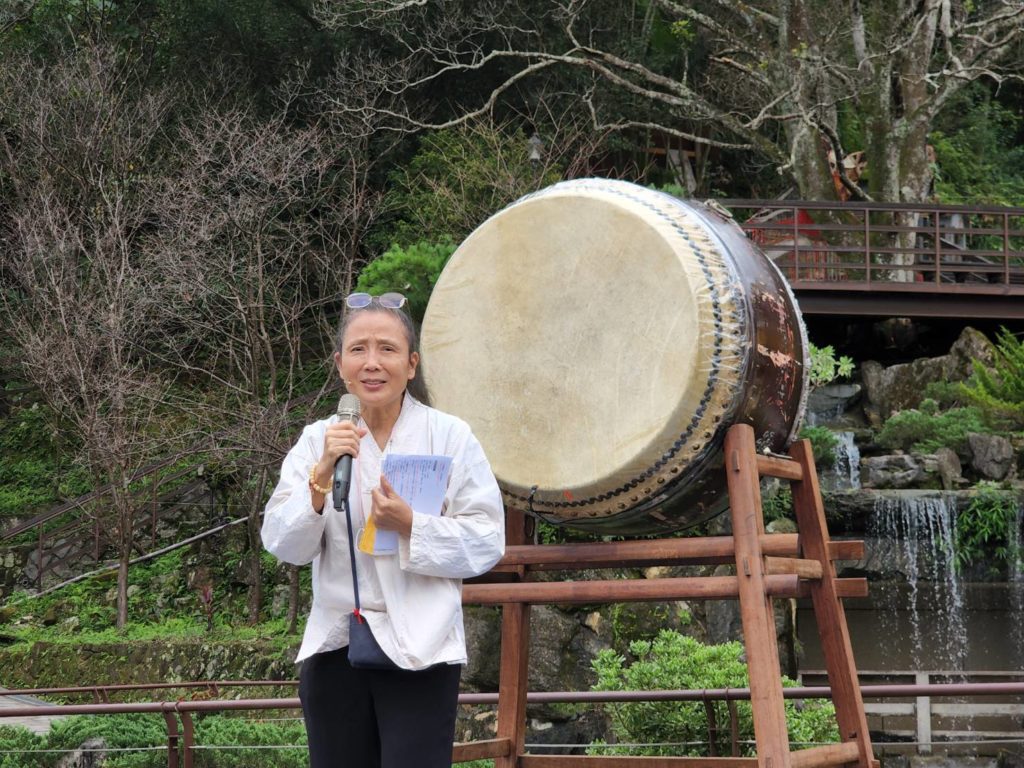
x=600, y=337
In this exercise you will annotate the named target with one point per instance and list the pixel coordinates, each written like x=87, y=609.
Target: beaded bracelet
x=312, y=482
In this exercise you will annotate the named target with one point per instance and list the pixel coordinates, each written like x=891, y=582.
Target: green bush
x=986, y=531
x=674, y=661
x=143, y=737
x=778, y=505
x=823, y=444
x=236, y=733
x=412, y=271
x=133, y=731
x=926, y=430
x=999, y=392
x=18, y=749
x=458, y=178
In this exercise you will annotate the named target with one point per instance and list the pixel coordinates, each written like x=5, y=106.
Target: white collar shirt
x=412, y=600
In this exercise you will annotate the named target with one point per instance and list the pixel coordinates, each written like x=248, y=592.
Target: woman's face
x=374, y=361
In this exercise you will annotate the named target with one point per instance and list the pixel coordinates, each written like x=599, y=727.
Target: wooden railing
x=944, y=246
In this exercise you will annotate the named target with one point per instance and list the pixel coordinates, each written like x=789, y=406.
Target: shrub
x=926, y=430
x=18, y=749
x=238, y=733
x=143, y=737
x=986, y=531
x=823, y=444
x=412, y=271
x=673, y=661
x=999, y=392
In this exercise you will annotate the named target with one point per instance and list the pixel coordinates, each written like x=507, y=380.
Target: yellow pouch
x=368, y=536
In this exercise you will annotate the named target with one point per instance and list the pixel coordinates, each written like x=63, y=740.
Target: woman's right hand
x=341, y=439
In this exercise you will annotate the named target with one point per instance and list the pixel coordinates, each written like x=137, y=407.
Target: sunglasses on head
x=386, y=300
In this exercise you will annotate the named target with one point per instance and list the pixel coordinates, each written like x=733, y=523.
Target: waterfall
x=847, y=466
x=922, y=529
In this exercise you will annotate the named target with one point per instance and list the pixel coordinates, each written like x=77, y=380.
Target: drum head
x=591, y=336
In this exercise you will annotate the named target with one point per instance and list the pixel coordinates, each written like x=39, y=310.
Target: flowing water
x=844, y=474
x=921, y=528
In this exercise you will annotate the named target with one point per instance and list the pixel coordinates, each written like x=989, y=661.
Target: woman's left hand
x=390, y=512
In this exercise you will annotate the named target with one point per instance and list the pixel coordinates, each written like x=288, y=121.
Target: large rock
x=91, y=754
x=902, y=386
x=950, y=470
x=827, y=404
x=894, y=471
x=992, y=456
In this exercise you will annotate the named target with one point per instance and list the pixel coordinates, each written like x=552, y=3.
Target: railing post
x=938, y=249
x=186, y=722
x=796, y=244
x=1006, y=249
x=923, y=710
x=172, y=739
x=867, y=245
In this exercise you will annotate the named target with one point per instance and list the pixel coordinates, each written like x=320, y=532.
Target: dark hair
x=417, y=386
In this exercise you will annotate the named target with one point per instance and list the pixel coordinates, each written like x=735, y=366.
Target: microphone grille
x=348, y=408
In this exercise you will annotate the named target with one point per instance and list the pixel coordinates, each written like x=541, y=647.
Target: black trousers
x=368, y=718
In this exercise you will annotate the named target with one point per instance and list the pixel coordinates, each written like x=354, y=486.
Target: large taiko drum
x=600, y=338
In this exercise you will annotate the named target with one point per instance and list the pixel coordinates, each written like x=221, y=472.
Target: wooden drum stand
x=767, y=566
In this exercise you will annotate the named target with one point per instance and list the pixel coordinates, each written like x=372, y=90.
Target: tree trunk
x=256, y=548
x=293, y=598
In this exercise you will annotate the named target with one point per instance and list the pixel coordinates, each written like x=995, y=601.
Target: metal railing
x=948, y=248
x=181, y=745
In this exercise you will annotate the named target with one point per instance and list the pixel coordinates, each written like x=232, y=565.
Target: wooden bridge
x=893, y=260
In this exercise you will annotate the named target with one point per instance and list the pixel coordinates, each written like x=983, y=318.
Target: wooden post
x=515, y=656
x=828, y=611
x=755, y=606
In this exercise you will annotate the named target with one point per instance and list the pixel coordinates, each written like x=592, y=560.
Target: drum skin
x=600, y=338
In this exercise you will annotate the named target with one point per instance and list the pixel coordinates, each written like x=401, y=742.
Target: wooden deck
x=886, y=260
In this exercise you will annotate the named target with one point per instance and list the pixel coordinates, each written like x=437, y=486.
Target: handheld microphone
x=348, y=410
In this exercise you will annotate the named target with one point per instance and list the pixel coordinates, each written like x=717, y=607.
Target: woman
x=411, y=599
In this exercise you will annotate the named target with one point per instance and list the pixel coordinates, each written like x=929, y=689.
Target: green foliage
x=16, y=747
x=979, y=158
x=926, y=430
x=459, y=178
x=826, y=367
x=999, y=392
x=986, y=531
x=778, y=505
x=239, y=732
x=117, y=732
x=34, y=474
x=148, y=734
x=673, y=661
x=823, y=444
x=163, y=605
x=412, y=271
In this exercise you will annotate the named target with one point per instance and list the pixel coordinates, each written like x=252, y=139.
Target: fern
x=999, y=392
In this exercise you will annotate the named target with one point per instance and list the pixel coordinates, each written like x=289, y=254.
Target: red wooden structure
x=767, y=566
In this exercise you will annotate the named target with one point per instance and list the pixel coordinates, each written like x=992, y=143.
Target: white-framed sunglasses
x=360, y=300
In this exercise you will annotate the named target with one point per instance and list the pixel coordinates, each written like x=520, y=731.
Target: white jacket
x=412, y=600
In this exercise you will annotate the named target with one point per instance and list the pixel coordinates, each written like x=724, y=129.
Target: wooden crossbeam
x=619, y=761
x=830, y=754
x=643, y=590
x=706, y=550
x=481, y=750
